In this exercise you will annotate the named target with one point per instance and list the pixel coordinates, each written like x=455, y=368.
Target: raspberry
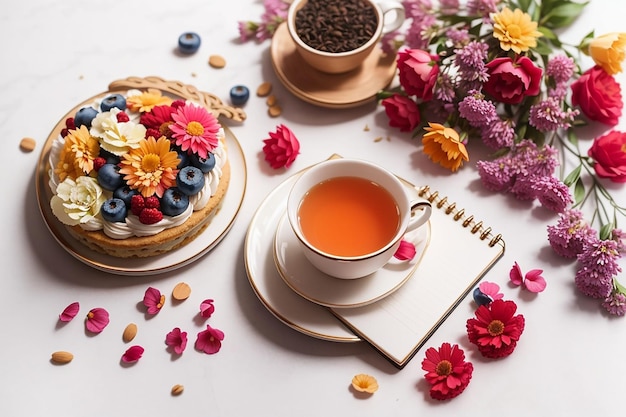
x=150, y=215
x=154, y=132
x=122, y=117
x=152, y=202
x=69, y=123
x=137, y=204
x=98, y=163
x=64, y=132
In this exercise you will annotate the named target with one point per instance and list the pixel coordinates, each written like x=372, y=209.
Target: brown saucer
x=350, y=89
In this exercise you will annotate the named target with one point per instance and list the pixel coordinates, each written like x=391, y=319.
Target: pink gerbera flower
x=97, y=320
x=446, y=371
x=496, y=329
x=210, y=340
x=195, y=129
x=177, y=340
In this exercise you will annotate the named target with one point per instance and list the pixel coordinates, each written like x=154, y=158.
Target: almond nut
x=181, y=291
x=28, y=144
x=264, y=89
x=177, y=389
x=217, y=61
x=275, y=110
x=62, y=356
x=129, y=332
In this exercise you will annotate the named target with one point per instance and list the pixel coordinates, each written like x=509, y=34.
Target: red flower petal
x=515, y=275
x=153, y=300
x=406, y=251
x=207, y=308
x=97, y=320
x=132, y=354
x=534, y=281
x=70, y=312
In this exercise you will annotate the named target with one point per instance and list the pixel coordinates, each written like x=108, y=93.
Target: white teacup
x=350, y=215
x=390, y=16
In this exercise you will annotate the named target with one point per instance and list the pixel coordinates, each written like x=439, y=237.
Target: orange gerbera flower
x=145, y=101
x=151, y=168
x=78, y=153
x=443, y=146
x=515, y=30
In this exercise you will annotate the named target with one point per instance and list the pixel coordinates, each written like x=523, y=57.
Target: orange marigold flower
x=443, y=146
x=78, y=153
x=145, y=101
x=365, y=383
x=609, y=51
x=151, y=168
x=515, y=30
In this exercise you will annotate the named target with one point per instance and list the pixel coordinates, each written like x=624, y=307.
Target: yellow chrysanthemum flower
x=609, y=51
x=145, y=101
x=365, y=383
x=515, y=30
x=151, y=168
x=78, y=153
x=443, y=146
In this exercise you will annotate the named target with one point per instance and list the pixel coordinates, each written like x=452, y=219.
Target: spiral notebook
x=461, y=250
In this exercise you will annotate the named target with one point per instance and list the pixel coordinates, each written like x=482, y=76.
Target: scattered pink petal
x=153, y=300
x=532, y=281
x=97, y=320
x=406, y=251
x=491, y=289
x=132, y=354
x=516, y=274
x=207, y=308
x=177, y=340
x=210, y=340
x=70, y=312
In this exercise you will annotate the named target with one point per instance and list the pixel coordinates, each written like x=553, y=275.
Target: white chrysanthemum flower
x=116, y=137
x=77, y=201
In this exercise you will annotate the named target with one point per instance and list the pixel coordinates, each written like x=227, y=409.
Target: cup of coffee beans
x=336, y=36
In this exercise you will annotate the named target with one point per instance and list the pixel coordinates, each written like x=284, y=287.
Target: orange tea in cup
x=348, y=216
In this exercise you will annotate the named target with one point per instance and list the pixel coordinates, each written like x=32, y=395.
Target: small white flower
x=77, y=201
x=115, y=137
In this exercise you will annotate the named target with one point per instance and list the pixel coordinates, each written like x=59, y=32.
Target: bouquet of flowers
x=496, y=72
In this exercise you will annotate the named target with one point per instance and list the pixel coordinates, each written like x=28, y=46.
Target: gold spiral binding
x=495, y=240
x=433, y=196
x=450, y=208
x=467, y=221
x=485, y=233
x=459, y=214
x=442, y=202
x=423, y=190
x=477, y=227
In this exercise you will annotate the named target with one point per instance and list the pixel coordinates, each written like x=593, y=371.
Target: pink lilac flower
x=615, y=303
x=471, y=62
x=153, y=300
x=560, y=68
x=177, y=340
x=601, y=255
x=417, y=35
x=458, y=37
x=69, y=312
x=406, y=251
x=496, y=175
x=444, y=89
x=195, y=130
x=482, y=7
x=499, y=134
x=479, y=112
x=417, y=9
x=571, y=234
x=593, y=284
x=552, y=193
x=97, y=320
x=523, y=187
x=619, y=236
x=132, y=354
x=535, y=161
x=247, y=30
x=533, y=281
x=449, y=7
x=548, y=116
x=209, y=341
x=207, y=308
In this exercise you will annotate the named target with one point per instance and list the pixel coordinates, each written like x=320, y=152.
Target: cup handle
x=393, y=15
x=420, y=214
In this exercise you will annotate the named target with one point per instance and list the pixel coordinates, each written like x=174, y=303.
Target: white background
x=57, y=54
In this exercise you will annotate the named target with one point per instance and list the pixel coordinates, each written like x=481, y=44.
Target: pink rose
x=609, y=154
x=402, y=112
x=598, y=95
x=510, y=81
x=281, y=148
x=418, y=72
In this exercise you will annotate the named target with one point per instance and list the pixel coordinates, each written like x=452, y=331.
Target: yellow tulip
x=608, y=51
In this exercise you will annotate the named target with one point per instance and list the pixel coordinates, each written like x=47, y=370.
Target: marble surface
x=57, y=54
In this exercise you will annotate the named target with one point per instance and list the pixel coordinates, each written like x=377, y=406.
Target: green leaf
x=542, y=48
x=524, y=5
x=619, y=286
x=573, y=176
x=579, y=191
x=605, y=231
x=562, y=15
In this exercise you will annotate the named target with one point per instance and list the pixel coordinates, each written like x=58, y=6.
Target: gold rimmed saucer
x=351, y=89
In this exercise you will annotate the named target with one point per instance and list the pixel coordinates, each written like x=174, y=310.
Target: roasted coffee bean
x=336, y=25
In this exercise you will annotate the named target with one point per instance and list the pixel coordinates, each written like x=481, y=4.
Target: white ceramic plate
x=293, y=310
x=306, y=280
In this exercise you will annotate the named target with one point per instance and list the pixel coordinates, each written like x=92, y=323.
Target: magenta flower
x=491, y=289
x=406, y=251
x=281, y=148
x=195, y=129
x=209, y=341
x=132, y=354
x=153, y=300
x=70, y=312
x=207, y=308
x=97, y=320
x=177, y=340
x=532, y=281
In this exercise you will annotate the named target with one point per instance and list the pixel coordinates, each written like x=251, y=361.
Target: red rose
x=609, y=154
x=418, y=72
x=281, y=148
x=598, y=95
x=402, y=112
x=510, y=81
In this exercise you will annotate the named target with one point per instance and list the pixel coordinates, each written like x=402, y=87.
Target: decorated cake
x=138, y=173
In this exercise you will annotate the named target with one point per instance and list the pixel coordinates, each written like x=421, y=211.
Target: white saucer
x=309, y=282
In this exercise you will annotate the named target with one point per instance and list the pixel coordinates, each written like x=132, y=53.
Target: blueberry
x=114, y=100
x=189, y=42
x=239, y=95
x=109, y=177
x=109, y=157
x=174, y=202
x=84, y=117
x=125, y=193
x=481, y=298
x=204, y=164
x=113, y=210
x=184, y=159
x=190, y=180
